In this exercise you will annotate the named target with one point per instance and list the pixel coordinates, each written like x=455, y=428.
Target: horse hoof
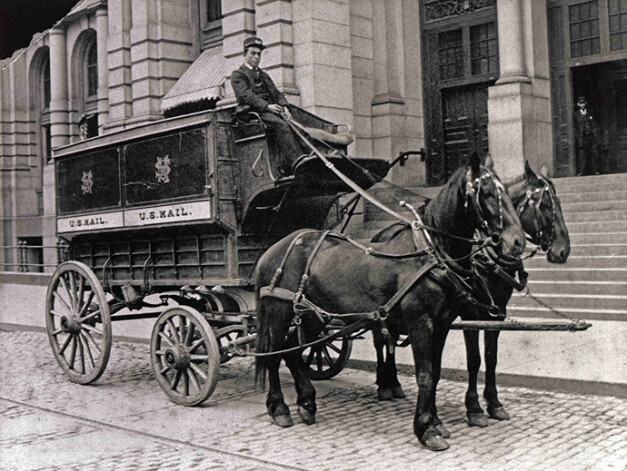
x=498, y=413
x=398, y=393
x=443, y=430
x=385, y=394
x=307, y=417
x=435, y=443
x=283, y=420
x=477, y=419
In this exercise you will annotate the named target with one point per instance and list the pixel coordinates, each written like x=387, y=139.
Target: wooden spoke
x=81, y=292
x=185, y=383
x=192, y=377
x=93, y=330
x=87, y=347
x=91, y=315
x=95, y=344
x=73, y=289
x=65, y=344
x=195, y=345
x=60, y=298
x=73, y=353
x=334, y=348
x=86, y=304
x=165, y=369
x=57, y=332
x=319, y=359
x=198, y=371
x=182, y=329
x=310, y=357
x=71, y=306
x=55, y=313
x=167, y=339
x=189, y=335
x=175, y=382
x=200, y=358
x=325, y=351
x=81, y=353
x=175, y=333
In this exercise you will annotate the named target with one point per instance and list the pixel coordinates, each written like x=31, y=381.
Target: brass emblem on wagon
x=163, y=169
x=87, y=182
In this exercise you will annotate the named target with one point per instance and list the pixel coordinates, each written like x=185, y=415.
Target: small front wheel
x=185, y=356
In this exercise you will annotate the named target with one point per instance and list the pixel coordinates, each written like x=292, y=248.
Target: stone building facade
x=113, y=64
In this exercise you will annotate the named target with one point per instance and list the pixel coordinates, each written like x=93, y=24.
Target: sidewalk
x=126, y=422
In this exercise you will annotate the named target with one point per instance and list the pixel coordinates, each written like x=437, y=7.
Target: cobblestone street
x=125, y=422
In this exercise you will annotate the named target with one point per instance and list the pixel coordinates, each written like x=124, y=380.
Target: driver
x=255, y=91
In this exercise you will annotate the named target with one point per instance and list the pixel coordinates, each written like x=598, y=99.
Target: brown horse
x=541, y=217
x=419, y=294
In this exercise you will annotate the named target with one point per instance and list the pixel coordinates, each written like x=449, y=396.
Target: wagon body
x=181, y=208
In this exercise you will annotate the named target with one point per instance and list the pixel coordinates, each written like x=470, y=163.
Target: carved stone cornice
x=438, y=9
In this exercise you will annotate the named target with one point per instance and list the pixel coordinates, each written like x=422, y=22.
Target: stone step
x=595, y=206
x=589, y=183
x=583, y=261
x=573, y=313
x=598, y=249
x=585, y=196
x=593, y=238
x=593, y=288
x=589, y=216
x=573, y=301
x=551, y=272
x=595, y=226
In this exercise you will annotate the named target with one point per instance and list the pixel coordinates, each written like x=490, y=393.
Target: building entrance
x=605, y=87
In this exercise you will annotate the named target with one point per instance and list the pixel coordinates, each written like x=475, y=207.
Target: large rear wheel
x=78, y=322
x=185, y=356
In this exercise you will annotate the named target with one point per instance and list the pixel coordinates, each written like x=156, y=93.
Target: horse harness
x=530, y=202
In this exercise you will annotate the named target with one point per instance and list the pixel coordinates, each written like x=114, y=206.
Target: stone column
x=519, y=107
x=59, y=119
x=322, y=58
x=273, y=19
x=388, y=105
x=238, y=23
x=119, y=62
x=102, y=27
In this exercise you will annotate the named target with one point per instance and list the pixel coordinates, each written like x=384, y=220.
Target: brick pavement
x=126, y=422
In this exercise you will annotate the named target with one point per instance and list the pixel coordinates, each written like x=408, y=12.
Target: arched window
x=43, y=107
x=45, y=85
x=88, y=83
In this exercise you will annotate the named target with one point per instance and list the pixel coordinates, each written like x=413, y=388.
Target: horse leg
x=438, y=347
x=422, y=347
x=474, y=412
x=275, y=335
x=304, y=388
x=387, y=376
x=495, y=408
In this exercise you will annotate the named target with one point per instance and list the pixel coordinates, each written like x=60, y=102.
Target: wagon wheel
x=184, y=355
x=78, y=322
x=326, y=360
x=226, y=335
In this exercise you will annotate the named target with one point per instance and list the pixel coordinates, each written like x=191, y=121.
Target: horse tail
x=263, y=346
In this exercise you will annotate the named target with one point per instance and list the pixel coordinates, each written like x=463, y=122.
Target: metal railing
x=20, y=262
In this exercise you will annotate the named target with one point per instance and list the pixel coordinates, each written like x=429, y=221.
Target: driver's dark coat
x=242, y=80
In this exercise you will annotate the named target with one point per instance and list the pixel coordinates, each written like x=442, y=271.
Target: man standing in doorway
x=255, y=91
x=585, y=139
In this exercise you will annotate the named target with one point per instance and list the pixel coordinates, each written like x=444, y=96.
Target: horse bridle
x=473, y=193
x=539, y=235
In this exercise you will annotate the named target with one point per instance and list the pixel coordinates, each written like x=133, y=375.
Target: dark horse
x=541, y=217
x=418, y=294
